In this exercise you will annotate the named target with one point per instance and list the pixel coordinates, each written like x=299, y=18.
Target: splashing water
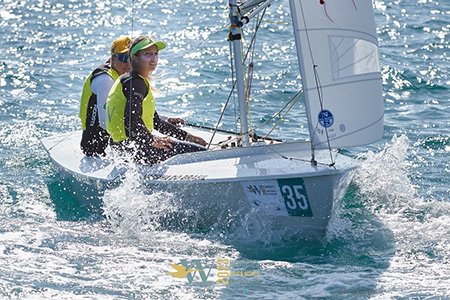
x=381, y=183
x=387, y=211
x=134, y=210
x=383, y=177
x=130, y=210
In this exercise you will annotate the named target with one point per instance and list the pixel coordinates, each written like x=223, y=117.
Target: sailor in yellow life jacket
x=95, y=138
x=131, y=117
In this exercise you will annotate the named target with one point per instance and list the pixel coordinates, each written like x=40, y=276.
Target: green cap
x=144, y=43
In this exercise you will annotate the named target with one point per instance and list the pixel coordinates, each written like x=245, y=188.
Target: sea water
x=390, y=239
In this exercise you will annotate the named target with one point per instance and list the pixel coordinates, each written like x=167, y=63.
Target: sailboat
x=297, y=185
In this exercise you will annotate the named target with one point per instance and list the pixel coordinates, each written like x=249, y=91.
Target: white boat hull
x=273, y=183
x=229, y=203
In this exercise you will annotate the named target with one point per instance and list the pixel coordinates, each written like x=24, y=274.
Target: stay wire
x=320, y=95
x=250, y=71
x=281, y=118
x=251, y=47
x=290, y=103
x=130, y=108
x=319, y=89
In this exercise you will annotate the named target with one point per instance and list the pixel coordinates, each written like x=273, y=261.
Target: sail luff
x=295, y=11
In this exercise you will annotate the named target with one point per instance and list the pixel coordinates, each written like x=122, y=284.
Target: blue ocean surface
x=389, y=240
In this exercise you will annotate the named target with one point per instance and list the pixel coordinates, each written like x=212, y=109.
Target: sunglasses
x=123, y=57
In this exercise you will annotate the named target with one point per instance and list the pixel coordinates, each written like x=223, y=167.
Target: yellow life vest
x=88, y=104
x=115, y=109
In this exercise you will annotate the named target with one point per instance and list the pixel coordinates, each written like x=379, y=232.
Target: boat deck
x=232, y=164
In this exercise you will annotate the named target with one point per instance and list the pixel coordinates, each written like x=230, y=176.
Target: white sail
x=338, y=55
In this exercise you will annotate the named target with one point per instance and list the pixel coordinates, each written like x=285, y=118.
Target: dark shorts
x=94, y=141
x=144, y=153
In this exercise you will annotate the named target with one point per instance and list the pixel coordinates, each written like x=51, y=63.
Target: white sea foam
x=129, y=209
x=383, y=177
x=381, y=183
x=390, y=213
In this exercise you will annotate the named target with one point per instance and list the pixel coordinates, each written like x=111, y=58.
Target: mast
x=235, y=37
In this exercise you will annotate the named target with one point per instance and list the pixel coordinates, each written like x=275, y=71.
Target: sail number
x=295, y=197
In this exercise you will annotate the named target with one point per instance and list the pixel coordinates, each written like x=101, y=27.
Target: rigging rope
x=290, y=103
x=320, y=95
x=131, y=73
x=251, y=46
x=251, y=50
x=319, y=90
x=282, y=118
x=251, y=67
